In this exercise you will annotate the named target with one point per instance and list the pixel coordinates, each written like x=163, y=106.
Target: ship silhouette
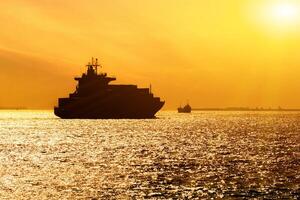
x=96, y=98
x=186, y=109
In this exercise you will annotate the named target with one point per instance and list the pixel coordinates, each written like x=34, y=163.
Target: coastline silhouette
x=245, y=109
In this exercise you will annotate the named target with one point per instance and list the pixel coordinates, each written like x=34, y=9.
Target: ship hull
x=180, y=110
x=110, y=108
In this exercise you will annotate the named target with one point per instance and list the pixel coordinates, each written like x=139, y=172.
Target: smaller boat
x=186, y=109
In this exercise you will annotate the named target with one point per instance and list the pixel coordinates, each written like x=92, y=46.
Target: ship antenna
x=96, y=64
x=89, y=64
x=150, y=88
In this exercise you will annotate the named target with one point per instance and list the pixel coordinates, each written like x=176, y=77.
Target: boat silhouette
x=96, y=98
x=186, y=109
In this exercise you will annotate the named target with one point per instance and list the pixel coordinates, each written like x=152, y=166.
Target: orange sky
x=215, y=53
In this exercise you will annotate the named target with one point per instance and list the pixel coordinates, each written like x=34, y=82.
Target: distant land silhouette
x=245, y=109
x=13, y=108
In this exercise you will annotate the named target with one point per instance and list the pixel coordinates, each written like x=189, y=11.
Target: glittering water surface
x=231, y=155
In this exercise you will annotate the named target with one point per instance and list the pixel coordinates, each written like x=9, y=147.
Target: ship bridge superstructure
x=92, y=80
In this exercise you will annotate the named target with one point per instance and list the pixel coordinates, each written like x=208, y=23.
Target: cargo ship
x=96, y=98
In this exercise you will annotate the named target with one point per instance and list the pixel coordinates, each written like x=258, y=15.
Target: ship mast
x=97, y=65
x=93, y=66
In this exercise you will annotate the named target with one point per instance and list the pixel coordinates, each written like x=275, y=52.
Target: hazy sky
x=215, y=53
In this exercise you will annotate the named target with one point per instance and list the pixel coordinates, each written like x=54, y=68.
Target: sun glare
x=284, y=12
x=277, y=16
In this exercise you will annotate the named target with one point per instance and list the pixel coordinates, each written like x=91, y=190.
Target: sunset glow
x=214, y=53
x=285, y=12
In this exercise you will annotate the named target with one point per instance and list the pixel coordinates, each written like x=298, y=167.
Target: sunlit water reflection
x=230, y=155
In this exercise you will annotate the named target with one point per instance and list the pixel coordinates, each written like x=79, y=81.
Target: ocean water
x=203, y=155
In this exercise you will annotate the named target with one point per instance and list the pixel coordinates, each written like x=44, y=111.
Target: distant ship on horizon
x=186, y=109
x=95, y=98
